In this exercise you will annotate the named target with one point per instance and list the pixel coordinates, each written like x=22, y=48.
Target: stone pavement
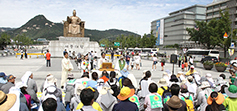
x=17, y=67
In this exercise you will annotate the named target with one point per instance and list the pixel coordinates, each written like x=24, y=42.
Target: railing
x=30, y=54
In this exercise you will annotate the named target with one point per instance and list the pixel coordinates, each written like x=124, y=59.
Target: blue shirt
x=125, y=105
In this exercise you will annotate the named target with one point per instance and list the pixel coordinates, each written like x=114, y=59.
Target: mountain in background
x=40, y=27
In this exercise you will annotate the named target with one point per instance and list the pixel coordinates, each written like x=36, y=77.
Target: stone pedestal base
x=77, y=44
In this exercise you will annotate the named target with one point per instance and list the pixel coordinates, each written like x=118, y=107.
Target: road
x=17, y=67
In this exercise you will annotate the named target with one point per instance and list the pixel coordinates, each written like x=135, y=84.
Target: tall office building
x=217, y=5
x=171, y=30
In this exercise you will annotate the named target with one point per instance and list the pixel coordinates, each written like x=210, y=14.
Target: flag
x=196, y=28
x=225, y=35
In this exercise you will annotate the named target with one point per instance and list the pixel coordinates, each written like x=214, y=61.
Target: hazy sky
x=131, y=15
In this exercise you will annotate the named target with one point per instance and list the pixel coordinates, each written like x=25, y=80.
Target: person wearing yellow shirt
x=87, y=101
x=191, y=71
x=162, y=85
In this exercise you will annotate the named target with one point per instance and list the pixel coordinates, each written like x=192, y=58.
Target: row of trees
x=131, y=41
x=210, y=34
x=5, y=39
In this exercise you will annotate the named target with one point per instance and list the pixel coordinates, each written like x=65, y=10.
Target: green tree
x=4, y=40
x=22, y=40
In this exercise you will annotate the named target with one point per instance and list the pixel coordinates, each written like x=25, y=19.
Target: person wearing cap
x=170, y=104
x=174, y=104
x=27, y=80
x=125, y=104
x=69, y=90
x=66, y=68
x=10, y=83
x=231, y=101
x=203, y=95
x=191, y=71
x=215, y=101
x=7, y=101
x=153, y=101
x=163, y=85
x=2, y=79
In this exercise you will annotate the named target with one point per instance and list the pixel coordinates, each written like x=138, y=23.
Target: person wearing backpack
x=187, y=97
x=163, y=85
x=153, y=101
x=174, y=89
x=113, y=83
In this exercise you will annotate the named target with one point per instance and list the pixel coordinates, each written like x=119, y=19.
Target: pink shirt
x=28, y=99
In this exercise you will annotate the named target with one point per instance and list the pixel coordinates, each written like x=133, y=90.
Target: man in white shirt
x=66, y=68
x=102, y=59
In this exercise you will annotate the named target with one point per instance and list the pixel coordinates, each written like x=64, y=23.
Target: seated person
x=191, y=71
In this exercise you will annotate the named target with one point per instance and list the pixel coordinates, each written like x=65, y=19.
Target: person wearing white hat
x=76, y=98
x=106, y=100
x=203, y=95
x=191, y=71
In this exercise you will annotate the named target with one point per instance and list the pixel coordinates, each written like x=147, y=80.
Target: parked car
x=209, y=58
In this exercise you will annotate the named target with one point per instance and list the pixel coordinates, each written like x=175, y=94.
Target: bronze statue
x=73, y=27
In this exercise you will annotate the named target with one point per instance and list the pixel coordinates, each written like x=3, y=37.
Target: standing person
x=127, y=57
x=64, y=51
x=101, y=60
x=22, y=53
x=66, y=68
x=186, y=63
x=137, y=61
x=85, y=65
x=79, y=60
x=25, y=54
x=190, y=61
x=112, y=56
x=180, y=59
x=162, y=61
x=48, y=55
x=91, y=59
x=154, y=62
x=120, y=65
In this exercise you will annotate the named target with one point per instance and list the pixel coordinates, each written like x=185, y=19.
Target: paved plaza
x=17, y=67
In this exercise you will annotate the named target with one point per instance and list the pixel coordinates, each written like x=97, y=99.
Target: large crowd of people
x=109, y=92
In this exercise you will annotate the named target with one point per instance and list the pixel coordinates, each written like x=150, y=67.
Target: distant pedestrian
x=162, y=61
x=25, y=53
x=127, y=58
x=112, y=56
x=48, y=55
x=154, y=62
x=22, y=53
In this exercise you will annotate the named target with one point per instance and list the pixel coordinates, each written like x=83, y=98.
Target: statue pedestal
x=77, y=44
